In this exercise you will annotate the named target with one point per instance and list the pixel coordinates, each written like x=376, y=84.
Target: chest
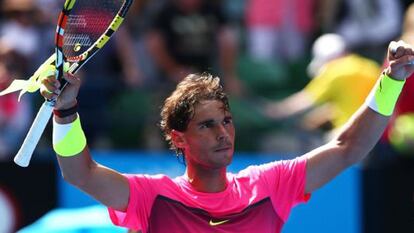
x=169, y=215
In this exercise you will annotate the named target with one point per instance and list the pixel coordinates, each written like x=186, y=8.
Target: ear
x=178, y=139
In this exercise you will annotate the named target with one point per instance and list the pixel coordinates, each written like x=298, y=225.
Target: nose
x=222, y=133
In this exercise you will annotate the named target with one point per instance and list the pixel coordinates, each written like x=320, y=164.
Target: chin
x=219, y=164
x=223, y=158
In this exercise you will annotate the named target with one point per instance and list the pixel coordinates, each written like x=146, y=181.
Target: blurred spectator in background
x=279, y=29
x=116, y=85
x=131, y=71
x=389, y=173
x=336, y=71
x=115, y=71
x=366, y=25
x=133, y=47
x=19, y=30
x=134, y=128
x=47, y=17
x=14, y=116
x=194, y=36
x=30, y=31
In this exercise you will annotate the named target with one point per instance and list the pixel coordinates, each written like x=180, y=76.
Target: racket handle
x=25, y=153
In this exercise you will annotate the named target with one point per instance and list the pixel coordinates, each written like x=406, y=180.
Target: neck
x=207, y=180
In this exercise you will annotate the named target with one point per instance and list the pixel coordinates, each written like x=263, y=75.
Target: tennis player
x=197, y=122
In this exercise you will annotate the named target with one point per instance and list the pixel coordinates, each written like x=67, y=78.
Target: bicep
x=108, y=187
x=324, y=164
x=354, y=141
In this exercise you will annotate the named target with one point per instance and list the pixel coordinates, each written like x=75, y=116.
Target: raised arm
x=78, y=168
x=363, y=130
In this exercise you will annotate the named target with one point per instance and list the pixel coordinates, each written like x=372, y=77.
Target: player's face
x=209, y=139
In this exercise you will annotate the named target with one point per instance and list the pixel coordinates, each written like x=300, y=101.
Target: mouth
x=224, y=148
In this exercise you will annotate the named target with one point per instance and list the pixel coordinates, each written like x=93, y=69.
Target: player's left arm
x=361, y=132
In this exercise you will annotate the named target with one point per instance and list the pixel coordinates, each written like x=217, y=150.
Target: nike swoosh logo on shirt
x=212, y=223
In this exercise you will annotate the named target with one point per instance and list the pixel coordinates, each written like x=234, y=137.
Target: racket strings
x=77, y=21
x=86, y=23
x=72, y=39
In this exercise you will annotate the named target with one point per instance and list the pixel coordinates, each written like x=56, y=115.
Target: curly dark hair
x=178, y=108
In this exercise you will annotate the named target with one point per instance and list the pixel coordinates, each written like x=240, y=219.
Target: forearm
x=70, y=145
x=362, y=131
x=77, y=167
x=82, y=171
x=351, y=145
x=104, y=184
x=360, y=134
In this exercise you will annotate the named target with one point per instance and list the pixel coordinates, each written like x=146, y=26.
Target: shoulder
x=271, y=168
x=149, y=180
x=270, y=179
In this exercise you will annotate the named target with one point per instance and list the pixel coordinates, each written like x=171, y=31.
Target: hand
x=64, y=99
x=401, y=60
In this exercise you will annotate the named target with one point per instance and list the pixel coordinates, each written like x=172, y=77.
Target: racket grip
x=25, y=152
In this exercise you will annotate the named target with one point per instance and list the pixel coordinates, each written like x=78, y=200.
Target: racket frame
x=25, y=152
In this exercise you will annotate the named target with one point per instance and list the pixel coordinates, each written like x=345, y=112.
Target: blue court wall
x=336, y=207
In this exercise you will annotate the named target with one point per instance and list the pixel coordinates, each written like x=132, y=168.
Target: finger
x=47, y=93
x=72, y=79
x=402, y=61
x=51, y=84
x=406, y=60
x=392, y=48
x=400, y=48
x=396, y=49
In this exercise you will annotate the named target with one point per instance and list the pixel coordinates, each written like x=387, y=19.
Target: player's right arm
x=105, y=185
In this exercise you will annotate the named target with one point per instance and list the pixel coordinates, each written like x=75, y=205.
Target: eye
x=206, y=125
x=227, y=121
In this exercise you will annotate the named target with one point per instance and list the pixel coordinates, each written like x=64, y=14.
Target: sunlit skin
x=208, y=142
x=208, y=145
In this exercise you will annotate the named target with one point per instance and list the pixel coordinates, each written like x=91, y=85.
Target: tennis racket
x=83, y=28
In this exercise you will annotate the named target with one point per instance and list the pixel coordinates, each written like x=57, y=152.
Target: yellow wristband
x=68, y=139
x=384, y=95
